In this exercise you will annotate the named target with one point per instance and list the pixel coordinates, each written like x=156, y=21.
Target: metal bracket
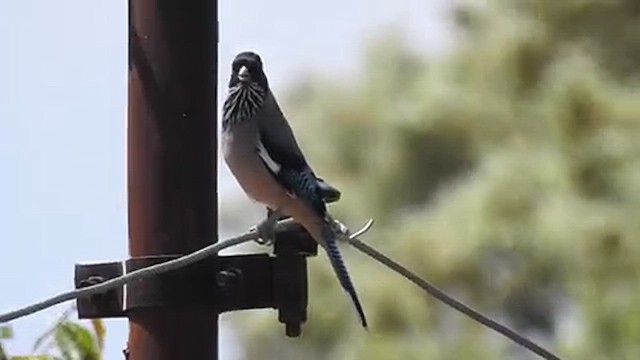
x=108, y=304
x=223, y=283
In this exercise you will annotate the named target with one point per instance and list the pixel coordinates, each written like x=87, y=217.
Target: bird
x=263, y=155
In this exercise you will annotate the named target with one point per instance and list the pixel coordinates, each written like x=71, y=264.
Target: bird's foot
x=266, y=232
x=339, y=229
x=266, y=229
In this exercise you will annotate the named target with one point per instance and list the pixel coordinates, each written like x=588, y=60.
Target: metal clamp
x=222, y=283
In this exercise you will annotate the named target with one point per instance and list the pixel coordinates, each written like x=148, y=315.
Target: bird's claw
x=340, y=229
x=266, y=229
x=266, y=232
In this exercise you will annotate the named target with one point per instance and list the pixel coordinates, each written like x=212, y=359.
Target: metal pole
x=172, y=161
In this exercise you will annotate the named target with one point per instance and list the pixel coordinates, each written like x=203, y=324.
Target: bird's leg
x=266, y=228
x=341, y=230
x=279, y=215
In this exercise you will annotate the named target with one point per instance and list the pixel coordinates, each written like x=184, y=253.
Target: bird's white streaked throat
x=243, y=102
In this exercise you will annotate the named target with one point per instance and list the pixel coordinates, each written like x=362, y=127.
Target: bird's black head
x=248, y=89
x=247, y=69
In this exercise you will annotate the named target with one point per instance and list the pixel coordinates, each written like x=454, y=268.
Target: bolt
x=292, y=328
x=227, y=278
x=90, y=281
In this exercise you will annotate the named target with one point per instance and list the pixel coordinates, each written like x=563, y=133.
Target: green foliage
x=75, y=342
x=69, y=339
x=507, y=172
x=5, y=333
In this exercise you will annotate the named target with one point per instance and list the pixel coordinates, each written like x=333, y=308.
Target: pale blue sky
x=62, y=124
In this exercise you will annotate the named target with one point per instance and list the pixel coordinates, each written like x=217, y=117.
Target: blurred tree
x=507, y=172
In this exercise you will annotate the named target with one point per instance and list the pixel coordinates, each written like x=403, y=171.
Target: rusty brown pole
x=172, y=161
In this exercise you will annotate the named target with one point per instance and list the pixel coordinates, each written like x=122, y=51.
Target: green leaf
x=100, y=332
x=6, y=332
x=45, y=341
x=76, y=342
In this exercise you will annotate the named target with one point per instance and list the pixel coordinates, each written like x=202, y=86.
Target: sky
x=63, y=76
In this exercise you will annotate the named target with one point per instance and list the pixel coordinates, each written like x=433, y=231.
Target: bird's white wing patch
x=268, y=160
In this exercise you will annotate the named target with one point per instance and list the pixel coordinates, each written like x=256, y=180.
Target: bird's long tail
x=331, y=234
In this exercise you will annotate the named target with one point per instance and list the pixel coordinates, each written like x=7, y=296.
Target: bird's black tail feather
x=331, y=246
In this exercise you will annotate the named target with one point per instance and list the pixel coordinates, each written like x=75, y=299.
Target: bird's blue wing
x=304, y=185
x=292, y=172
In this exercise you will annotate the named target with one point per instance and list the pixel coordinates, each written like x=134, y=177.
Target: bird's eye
x=253, y=69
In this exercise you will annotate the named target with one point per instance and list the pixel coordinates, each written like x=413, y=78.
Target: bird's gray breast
x=249, y=169
x=239, y=141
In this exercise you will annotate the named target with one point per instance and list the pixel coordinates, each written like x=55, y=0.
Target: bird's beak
x=243, y=74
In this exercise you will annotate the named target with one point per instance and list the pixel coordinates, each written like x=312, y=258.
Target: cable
x=217, y=247
x=127, y=278
x=442, y=296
